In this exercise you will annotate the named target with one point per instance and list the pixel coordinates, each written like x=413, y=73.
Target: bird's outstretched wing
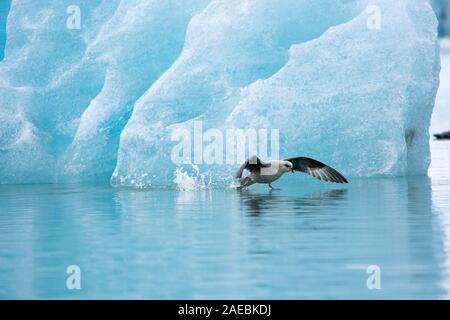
x=317, y=169
x=251, y=164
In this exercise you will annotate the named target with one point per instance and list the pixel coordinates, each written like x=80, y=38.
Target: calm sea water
x=310, y=240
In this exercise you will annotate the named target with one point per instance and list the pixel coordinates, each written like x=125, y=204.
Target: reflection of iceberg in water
x=384, y=222
x=297, y=243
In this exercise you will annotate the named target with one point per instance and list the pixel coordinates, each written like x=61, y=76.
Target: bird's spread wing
x=251, y=164
x=317, y=169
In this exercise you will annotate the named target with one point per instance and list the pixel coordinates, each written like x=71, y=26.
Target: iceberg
x=154, y=38
x=356, y=97
x=351, y=82
x=68, y=93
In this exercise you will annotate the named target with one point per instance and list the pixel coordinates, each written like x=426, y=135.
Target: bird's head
x=287, y=166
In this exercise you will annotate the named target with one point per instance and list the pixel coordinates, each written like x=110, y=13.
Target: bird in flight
x=268, y=172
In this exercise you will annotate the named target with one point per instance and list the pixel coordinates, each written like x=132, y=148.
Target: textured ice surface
x=67, y=94
x=360, y=99
x=136, y=45
x=101, y=102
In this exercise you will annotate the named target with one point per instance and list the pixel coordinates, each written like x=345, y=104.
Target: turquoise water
x=4, y=9
x=309, y=240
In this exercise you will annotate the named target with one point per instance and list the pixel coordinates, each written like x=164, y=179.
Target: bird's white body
x=267, y=174
x=270, y=174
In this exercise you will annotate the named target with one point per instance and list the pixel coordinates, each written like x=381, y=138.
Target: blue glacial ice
x=101, y=103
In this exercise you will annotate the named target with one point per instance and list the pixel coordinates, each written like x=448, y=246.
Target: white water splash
x=197, y=181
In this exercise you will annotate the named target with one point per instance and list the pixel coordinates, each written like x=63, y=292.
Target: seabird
x=268, y=172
